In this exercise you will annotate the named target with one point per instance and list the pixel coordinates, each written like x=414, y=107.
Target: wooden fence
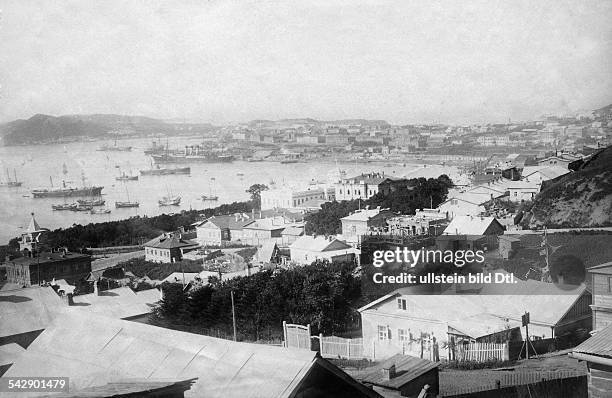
x=482, y=352
x=296, y=336
x=453, y=384
x=339, y=347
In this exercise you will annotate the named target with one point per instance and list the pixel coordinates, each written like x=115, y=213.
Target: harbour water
x=37, y=165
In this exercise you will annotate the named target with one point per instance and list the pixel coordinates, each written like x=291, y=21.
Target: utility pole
x=233, y=314
x=525, y=319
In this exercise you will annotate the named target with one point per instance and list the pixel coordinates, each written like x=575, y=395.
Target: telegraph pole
x=233, y=314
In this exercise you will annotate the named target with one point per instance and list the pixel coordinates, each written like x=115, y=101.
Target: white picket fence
x=481, y=352
x=339, y=347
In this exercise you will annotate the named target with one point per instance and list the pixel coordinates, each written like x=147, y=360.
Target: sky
x=230, y=61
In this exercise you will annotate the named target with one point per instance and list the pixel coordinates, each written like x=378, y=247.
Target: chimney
x=70, y=299
x=388, y=372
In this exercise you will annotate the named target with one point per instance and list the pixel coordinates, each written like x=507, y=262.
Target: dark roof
x=599, y=345
x=229, y=221
x=169, y=241
x=129, y=388
x=407, y=368
x=49, y=257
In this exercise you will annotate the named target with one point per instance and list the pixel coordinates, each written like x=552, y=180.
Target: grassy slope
x=579, y=199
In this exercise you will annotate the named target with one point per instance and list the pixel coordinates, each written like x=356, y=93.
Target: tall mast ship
x=9, y=182
x=64, y=191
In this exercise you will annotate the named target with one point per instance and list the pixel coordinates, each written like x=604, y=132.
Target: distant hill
x=284, y=123
x=46, y=129
x=579, y=199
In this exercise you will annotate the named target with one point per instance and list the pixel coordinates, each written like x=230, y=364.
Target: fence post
x=321, y=343
x=348, y=348
x=373, y=350
x=285, y=334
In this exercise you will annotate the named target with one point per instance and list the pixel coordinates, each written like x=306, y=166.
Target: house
x=601, y=285
x=307, y=249
x=286, y=198
x=406, y=320
x=424, y=222
x=465, y=204
x=38, y=267
x=363, y=186
x=470, y=225
x=508, y=245
x=291, y=234
x=559, y=160
x=539, y=174
x=364, y=222
x=264, y=230
x=268, y=253
x=96, y=350
x=597, y=352
x=168, y=248
x=519, y=191
x=403, y=374
x=220, y=230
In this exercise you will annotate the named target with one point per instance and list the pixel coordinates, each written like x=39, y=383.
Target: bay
x=37, y=165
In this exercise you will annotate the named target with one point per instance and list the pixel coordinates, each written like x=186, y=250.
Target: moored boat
x=170, y=201
x=162, y=171
x=65, y=206
x=91, y=202
x=100, y=211
x=119, y=205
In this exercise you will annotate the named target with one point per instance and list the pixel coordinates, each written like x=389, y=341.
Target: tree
x=255, y=191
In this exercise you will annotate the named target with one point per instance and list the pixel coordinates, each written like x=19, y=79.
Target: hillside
x=579, y=199
x=47, y=129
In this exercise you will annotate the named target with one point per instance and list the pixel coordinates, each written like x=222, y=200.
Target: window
x=382, y=332
x=405, y=305
x=610, y=284
x=402, y=335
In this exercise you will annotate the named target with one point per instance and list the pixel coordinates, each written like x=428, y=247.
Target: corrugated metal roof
x=407, y=368
x=95, y=350
x=29, y=309
x=126, y=388
x=117, y=303
x=600, y=344
x=318, y=243
x=9, y=353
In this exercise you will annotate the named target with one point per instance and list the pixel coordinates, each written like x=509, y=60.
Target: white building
x=286, y=198
x=307, y=249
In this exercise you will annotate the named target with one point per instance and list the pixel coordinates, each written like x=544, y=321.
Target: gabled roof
x=96, y=350
x=470, y=225
x=232, y=222
x=169, y=241
x=266, y=252
x=293, y=231
x=407, y=368
x=546, y=302
x=319, y=244
x=470, y=197
x=605, y=268
x=365, y=215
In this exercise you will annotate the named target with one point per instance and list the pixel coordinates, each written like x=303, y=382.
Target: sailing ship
x=210, y=195
x=127, y=203
x=115, y=148
x=91, y=202
x=162, y=171
x=170, y=201
x=100, y=211
x=9, y=182
x=65, y=206
x=125, y=177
